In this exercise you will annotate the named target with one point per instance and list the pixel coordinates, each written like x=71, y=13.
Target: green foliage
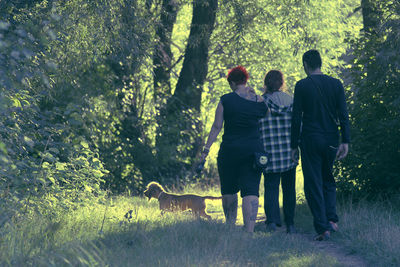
x=101, y=232
x=265, y=35
x=77, y=99
x=373, y=167
x=104, y=234
x=41, y=150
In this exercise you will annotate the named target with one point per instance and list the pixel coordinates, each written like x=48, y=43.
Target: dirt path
x=336, y=251
x=331, y=248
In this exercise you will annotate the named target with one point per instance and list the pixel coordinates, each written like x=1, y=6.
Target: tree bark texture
x=162, y=57
x=178, y=137
x=371, y=16
x=195, y=65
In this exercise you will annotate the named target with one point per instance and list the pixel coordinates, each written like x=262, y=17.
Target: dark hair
x=313, y=59
x=274, y=81
x=238, y=75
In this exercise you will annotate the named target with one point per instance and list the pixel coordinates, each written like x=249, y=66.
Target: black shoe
x=271, y=227
x=290, y=229
x=323, y=237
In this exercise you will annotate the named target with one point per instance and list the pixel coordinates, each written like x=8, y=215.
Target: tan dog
x=174, y=202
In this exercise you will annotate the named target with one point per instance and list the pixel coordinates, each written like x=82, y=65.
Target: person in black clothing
x=319, y=107
x=239, y=113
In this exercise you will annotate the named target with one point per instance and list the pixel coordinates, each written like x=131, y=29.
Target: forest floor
x=99, y=234
x=344, y=256
x=338, y=252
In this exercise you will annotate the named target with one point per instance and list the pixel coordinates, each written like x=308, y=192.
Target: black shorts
x=236, y=173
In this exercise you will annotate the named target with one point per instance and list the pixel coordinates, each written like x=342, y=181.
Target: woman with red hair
x=239, y=113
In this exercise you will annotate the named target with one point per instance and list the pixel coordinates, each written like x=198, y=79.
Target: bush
x=372, y=166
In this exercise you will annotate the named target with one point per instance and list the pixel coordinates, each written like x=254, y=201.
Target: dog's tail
x=212, y=198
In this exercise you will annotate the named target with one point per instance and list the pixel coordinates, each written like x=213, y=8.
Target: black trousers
x=318, y=154
x=271, y=196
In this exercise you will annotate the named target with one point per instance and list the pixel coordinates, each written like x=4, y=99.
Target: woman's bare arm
x=215, y=129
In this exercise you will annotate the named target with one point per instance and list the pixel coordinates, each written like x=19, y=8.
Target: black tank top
x=241, y=124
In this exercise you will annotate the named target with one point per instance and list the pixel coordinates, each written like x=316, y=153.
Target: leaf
x=88, y=188
x=45, y=165
x=60, y=166
x=3, y=148
x=29, y=141
x=84, y=144
x=16, y=103
x=51, y=179
x=4, y=25
x=49, y=157
x=54, y=150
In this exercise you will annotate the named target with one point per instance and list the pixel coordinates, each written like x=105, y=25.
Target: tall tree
x=178, y=135
x=162, y=57
x=372, y=167
x=195, y=67
x=372, y=19
x=371, y=15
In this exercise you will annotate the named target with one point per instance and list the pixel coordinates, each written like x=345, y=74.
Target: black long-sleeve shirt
x=310, y=115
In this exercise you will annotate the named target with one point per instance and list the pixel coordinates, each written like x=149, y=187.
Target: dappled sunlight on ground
x=132, y=231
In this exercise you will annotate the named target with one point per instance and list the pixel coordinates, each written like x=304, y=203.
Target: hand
x=251, y=89
x=342, y=151
x=203, y=156
x=295, y=154
x=200, y=166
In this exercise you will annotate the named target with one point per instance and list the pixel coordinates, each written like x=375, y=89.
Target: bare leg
x=230, y=204
x=249, y=209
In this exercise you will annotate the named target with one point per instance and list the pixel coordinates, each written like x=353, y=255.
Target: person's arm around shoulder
x=215, y=130
x=258, y=98
x=252, y=91
x=267, y=110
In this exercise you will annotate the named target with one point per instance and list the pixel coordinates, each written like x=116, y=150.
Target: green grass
x=372, y=230
x=149, y=239
x=98, y=234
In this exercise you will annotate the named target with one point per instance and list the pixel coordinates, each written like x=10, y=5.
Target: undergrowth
x=131, y=231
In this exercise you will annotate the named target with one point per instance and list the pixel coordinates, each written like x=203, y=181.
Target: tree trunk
x=194, y=70
x=372, y=19
x=178, y=137
x=371, y=16
x=162, y=57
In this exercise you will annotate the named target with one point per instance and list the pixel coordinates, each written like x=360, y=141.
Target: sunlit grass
x=373, y=230
x=214, y=207
x=99, y=234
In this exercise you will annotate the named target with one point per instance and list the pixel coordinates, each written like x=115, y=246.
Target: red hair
x=238, y=75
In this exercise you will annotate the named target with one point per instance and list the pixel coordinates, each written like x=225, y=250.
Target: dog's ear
x=147, y=193
x=149, y=196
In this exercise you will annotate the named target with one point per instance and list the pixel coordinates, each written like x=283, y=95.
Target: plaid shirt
x=275, y=135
